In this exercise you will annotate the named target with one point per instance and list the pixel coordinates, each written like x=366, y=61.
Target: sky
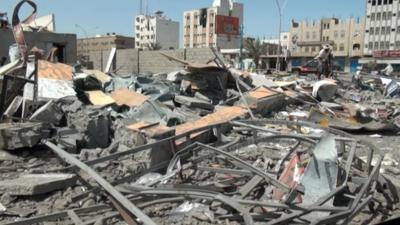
x=91, y=17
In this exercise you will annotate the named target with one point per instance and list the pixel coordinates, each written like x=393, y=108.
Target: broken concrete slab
x=6, y=156
x=128, y=97
x=35, y=184
x=99, y=98
x=194, y=102
x=19, y=135
x=332, y=105
x=13, y=107
x=156, y=131
x=69, y=139
x=104, y=78
x=222, y=114
x=263, y=100
x=94, y=124
x=50, y=112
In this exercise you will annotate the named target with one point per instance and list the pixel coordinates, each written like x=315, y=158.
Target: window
x=356, y=47
x=388, y=30
x=384, y=16
x=387, y=45
x=389, y=15
x=385, y=2
x=377, y=30
x=372, y=31
x=342, y=34
x=398, y=29
x=336, y=34
x=334, y=47
x=390, y=1
x=313, y=49
x=307, y=35
x=382, y=45
x=307, y=49
x=397, y=44
x=379, y=2
x=372, y=16
x=314, y=35
x=378, y=16
x=341, y=47
x=376, y=45
x=370, y=45
x=373, y=2
x=383, y=30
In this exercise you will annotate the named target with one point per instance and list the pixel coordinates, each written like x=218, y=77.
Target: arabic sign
x=387, y=54
x=227, y=25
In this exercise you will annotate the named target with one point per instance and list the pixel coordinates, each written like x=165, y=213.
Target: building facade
x=382, y=31
x=65, y=44
x=156, y=32
x=346, y=38
x=92, y=50
x=217, y=26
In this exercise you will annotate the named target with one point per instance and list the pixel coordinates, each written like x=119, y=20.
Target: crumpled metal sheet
x=320, y=176
x=17, y=26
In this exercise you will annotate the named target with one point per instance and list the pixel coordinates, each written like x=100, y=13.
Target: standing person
x=388, y=70
x=3, y=20
x=325, y=58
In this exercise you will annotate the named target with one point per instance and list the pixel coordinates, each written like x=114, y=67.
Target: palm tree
x=154, y=46
x=255, y=49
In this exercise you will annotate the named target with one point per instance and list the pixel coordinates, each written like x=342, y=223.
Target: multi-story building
x=270, y=58
x=91, y=50
x=382, y=31
x=345, y=37
x=218, y=26
x=156, y=32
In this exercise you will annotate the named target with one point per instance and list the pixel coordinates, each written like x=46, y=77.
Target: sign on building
x=387, y=54
x=227, y=25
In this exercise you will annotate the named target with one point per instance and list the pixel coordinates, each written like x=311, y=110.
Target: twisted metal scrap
x=17, y=27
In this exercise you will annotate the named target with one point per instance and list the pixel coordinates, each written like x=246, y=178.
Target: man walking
x=325, y=58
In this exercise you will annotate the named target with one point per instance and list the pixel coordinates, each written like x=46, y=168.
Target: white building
x=382, y=28
x=285, y=37
x=218, y=26
x=156, y=29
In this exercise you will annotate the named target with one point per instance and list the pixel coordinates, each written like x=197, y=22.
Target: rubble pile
x=205, y=145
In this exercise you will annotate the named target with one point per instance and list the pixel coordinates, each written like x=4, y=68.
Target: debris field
x=204, y=145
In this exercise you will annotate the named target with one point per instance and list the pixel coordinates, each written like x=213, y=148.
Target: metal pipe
x=102, y=182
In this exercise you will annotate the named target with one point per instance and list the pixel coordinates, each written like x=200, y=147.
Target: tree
x=154, y=46
x=255, y=49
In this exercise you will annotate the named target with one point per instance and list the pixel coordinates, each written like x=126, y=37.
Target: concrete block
x=36, y=184
x=69, y=139
x=19, y=135
x=50, y=112
x=264, y=101
x=194, y=102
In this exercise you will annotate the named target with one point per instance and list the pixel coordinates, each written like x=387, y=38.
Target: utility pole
x=241, y=46
x=278, y=60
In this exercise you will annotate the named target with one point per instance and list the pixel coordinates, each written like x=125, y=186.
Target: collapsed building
x=204, y=145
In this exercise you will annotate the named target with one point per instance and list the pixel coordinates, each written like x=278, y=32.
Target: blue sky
x=261, y=16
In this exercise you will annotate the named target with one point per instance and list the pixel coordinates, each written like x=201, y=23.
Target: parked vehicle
x=311, y=67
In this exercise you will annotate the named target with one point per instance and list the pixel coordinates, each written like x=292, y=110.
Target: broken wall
x=133, y=61
x=42, y=40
